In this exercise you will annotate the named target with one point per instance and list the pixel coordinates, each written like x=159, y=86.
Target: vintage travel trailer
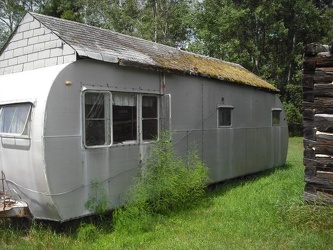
x=82, y=105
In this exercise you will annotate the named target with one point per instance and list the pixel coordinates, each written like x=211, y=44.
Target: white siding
x=34, y=46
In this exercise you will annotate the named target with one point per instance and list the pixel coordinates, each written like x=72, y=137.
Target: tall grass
x=263, y=211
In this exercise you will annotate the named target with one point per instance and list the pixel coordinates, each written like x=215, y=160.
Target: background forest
x=266, y=37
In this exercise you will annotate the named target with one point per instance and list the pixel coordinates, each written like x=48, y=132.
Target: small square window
x=276, y=116
x=224, y=116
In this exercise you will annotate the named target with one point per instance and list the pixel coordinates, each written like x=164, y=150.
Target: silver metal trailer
x=68, y=125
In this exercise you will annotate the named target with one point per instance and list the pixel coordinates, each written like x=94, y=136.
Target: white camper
x=80, y=105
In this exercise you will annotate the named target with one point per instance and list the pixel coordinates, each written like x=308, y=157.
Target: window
x=276, y=114
x=119, y=118
x=14, y=118
x=149, y=118
x=224, y=116
x=124, y=119
x=97, y=118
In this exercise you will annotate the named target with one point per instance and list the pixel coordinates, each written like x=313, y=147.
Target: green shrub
x=167, y=183
x=294, y=118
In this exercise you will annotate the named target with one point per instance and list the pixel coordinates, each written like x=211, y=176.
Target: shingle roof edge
x=161, y=58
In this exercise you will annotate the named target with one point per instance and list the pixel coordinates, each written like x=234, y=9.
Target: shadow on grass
x=21, y=227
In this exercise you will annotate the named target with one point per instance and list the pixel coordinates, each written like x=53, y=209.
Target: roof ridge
x=106, y=45
x=132, y=37
x=99, y=28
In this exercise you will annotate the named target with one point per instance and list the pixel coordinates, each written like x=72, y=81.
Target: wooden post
x=317, y=81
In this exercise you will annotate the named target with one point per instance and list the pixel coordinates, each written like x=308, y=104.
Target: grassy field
x=263, y=211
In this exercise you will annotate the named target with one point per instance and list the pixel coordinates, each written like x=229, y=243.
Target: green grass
x=263, y=211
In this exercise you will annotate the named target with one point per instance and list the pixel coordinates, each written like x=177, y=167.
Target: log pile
x=317, y=83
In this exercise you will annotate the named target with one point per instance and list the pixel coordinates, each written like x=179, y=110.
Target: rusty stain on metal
x=10, y=207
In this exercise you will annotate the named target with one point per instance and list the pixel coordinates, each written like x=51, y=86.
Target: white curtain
x=13, y=118
x=124, y=100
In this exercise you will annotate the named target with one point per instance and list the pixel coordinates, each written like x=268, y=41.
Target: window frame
x=139, y=116
x=157, y=118
x=224, y=107
x=127, y=142
x=26, y=127
x=107, y=119
x=276, y=111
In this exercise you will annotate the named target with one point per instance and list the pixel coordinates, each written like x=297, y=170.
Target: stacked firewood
x=317, y=83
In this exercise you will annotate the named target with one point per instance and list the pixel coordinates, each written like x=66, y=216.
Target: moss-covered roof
x=109, y=46
x=213, y=68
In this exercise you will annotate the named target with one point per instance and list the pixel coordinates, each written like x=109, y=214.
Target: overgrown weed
x=167, y=183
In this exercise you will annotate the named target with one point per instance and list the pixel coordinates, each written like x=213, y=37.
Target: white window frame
x=25, y=133
x=109, y=125
x=107, y=119
x=157, y=119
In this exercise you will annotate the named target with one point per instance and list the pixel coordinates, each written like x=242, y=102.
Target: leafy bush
x=294, y=118
x=292, y=104
x=293, y=95
x=167, y=183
